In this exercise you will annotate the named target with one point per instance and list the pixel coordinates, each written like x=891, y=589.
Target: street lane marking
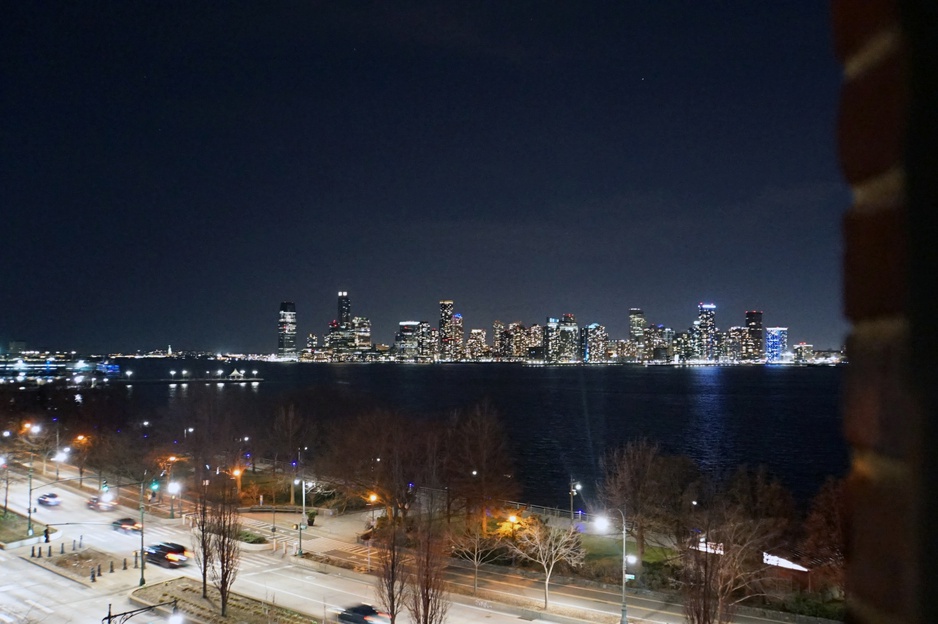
x=38, y=606
x=6, y=619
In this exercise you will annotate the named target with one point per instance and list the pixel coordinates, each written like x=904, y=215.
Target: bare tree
x=225, y=525
x=723, y=560
x=202, y=541
x=425, y=597
x=629, y=485
x=477, y=549
x=392, y=573
x=548, y=546
x=480, y=469
x=824, y=541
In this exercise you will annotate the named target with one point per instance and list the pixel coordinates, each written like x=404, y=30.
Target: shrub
x=251, y=538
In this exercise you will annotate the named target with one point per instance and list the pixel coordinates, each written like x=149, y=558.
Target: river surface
x=562, y=420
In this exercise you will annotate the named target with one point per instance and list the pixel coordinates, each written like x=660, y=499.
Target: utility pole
x=143, y=558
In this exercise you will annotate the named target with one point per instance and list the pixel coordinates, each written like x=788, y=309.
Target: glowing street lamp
x=603, y=524
x=237, y=475
x=574, y=488
x=173, y=489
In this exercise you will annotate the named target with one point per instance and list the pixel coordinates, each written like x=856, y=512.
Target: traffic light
x=155, y=485
x=296, y=526
x=104, y=486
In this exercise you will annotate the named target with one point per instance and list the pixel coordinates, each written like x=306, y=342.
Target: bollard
x=112, y=567
x=80, y=537
x=125, y=563
x=135, y=560
x=39, y=555
x=74, y=545
x=62, y=549
x=32, y=553
x=99, y=569
x=92, y=574
x=50, y=551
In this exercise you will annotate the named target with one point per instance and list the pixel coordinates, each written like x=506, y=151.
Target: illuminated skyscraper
x=636, y=324
x=286, y=330
x=776, y=343
x=593, y=343
x=345, y=310
x=754, y=348
x=449, y=348
x=407, y=340
x=707, y=328
x=458, y=337
x=475, y=345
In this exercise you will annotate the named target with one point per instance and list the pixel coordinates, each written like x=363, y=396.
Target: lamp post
x=173, y=489
x=237, y=475
x=142, y=557
x=302, y=524
x=373, y=498
x=574, y=488
x=623, y=619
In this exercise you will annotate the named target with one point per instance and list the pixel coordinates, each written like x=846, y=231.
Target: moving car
x=167, y=554
x=50, y=500
x=364, y=614
x=98, y=504
x=126, y=525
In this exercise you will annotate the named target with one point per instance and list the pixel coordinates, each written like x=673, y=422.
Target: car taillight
x=175, y=557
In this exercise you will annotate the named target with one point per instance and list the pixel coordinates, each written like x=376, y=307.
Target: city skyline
x=164, y=185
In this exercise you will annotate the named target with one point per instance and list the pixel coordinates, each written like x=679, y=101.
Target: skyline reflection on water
x=562, y=420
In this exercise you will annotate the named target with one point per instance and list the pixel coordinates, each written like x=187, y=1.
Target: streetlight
x=302, y=525
x=237, y=475
x=574, y=488
x=173, y=489
x=625, y=557
x=172, y=374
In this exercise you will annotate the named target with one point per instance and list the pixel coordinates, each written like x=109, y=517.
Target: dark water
x=561, y=420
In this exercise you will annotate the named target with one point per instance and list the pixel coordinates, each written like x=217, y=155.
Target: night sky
x=170, y=172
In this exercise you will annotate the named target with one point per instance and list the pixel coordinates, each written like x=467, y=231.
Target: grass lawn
x=602, y=549
x=13, y=527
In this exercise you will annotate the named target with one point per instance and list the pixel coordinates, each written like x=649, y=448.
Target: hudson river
x=561, y=420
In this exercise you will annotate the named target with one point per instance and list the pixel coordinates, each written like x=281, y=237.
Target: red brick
x=856, y=21
x=875, y=263
x=876, y=392
x=880, y=536
x=872, y=120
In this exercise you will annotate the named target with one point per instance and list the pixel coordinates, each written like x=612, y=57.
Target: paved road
x=277, y=575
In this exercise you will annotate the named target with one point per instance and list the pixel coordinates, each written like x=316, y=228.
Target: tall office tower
x=535, y=336
x=706, y=315
x=312, y=341
x=458, y=337
x=737, y=344
x=361, y=333
x=636, y=324
x=755, y=347
x=476, y=348
x=407, y=340
x=435, y=344
x=499, y=339
x=776, y=343
x=447, y=348
x=286, y=330
x=593, y=343
x=426, y=341
x=551, y=340
x=345, y=310
x=657, y=343
x=683, y=346
x=568, y=339
x=518, y=340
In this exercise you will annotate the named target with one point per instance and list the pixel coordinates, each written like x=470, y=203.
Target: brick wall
x=886, y=149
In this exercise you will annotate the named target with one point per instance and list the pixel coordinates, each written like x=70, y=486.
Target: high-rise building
x=499, y=339
x=636, y=324
x=754, y=347
x=776, y=343
x=344, y=309
x=449, y=349
x=286, y=331
x=407, y=340
x=707, y=328
x=476, y=348
x=593, y=343
x=458, y=337
x=736, y=344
